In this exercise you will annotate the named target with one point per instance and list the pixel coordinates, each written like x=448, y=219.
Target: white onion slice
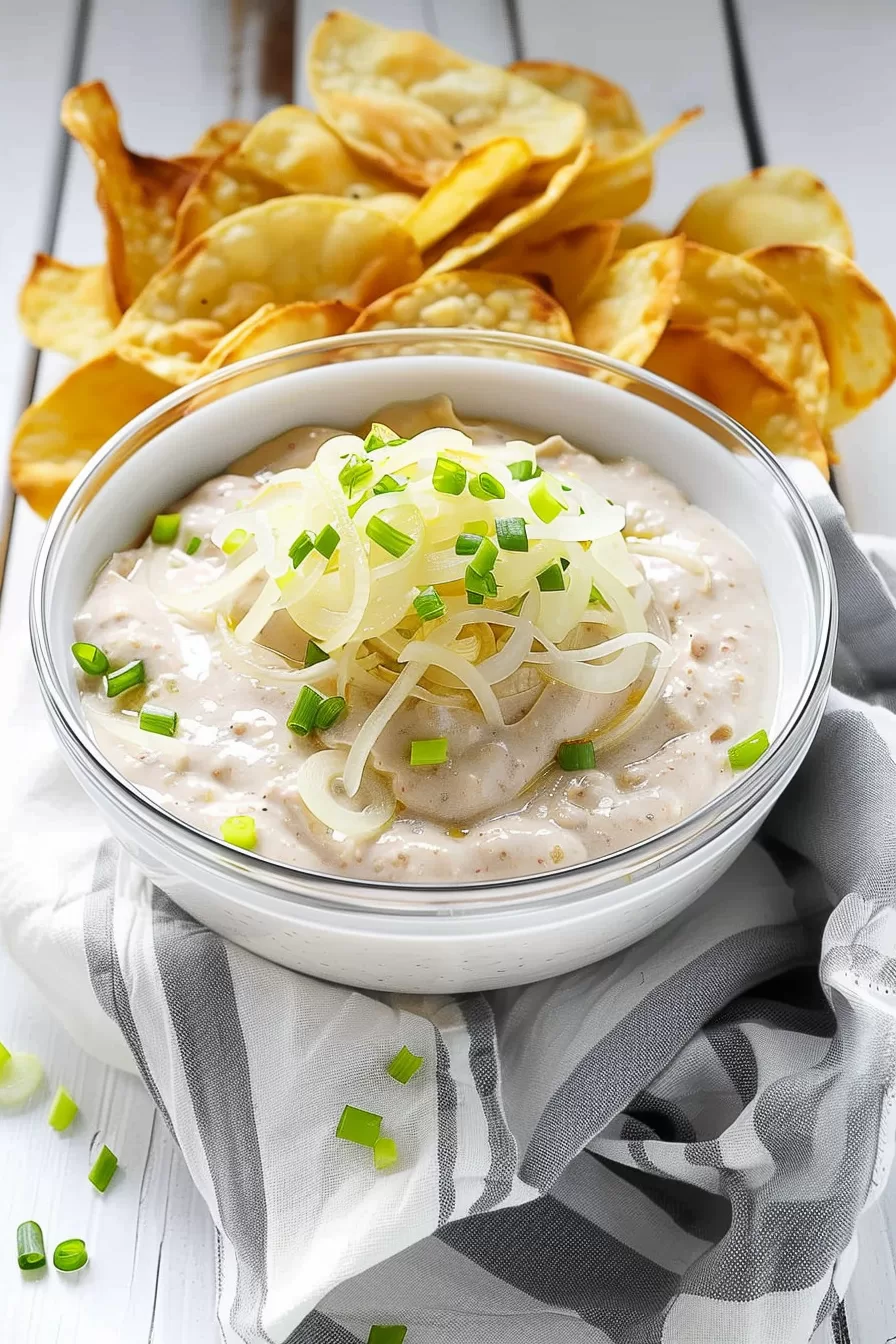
x=434, y=654
x=315, y=779
x=258, y=615
x=606, y=741
x=246, y=659
x=675, y=556
x=128, y=730
x=374, y=724
x=20, y=1077
x=607, y=649
x=211, y=596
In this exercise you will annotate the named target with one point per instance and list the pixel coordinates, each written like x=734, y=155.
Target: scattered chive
x=193, y=545
x=597, y=598
x=483, y=561
x=234, y=540
x=483, y=584
x=467, y=543
x=103, y=1169
x=389, y=537
x=385, y=1154
x=240, y=831
x=576, y=755
x=381, y=436
x=448, y=477
x=63, y=1111
x=301, y=548
x=357, y=1126
x=389, y=485
x=551, y=579
x=70, y=1255
x=326, y=540
x=314, y=654
x=747, y=753
x=428, y=605
x=429, y=751
x=356, y=473
x=5, y=1055
x=486, y=486
x=303, y=714
x=165, y=528
x=475, y=599
x=543, y=504
x=524, y=471
x=332, y=709
x=564, y=563
x=512, y=535
x=387, y=1334
x=404, y=1065
x=125, y=678
x=90, y=659
x=30, y=1246
x=158, y=719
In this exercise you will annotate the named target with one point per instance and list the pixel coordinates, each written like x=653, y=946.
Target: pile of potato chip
x=428, y=190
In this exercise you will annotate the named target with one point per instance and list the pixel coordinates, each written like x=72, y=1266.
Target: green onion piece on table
x=512, y=535
x=63, y=1111
x=125, y=678
x=389, y=485
x=404, y=1065
x=576, y=755
x=448, y=477
x=70, y=1255
x=314, y=654
x=524, y=471
x=467, y=543
x=234, y=540
x=326, y=540
x=483, y=561
x=747, y=753
x=357, y=1126
x=304, y=712
x=486, y=486
x=428, y=605
x=551, y=579
x=240, y=831
x=165, y=528
x=301, y=548
x=429, y=751
x=387, y=1334
x=158, y=719
x=193, y=545
x=30, y=1246
x=90, y=659
x=103, y=1169
x=389, y=537
x=332, y=709
x=385, y=1154
x=543, y=504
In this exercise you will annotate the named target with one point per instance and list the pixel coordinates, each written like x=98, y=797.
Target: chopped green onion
x=332, y=709
x=479, y=526
x=90, y=659
x=576, y=755
x=475, y=599
x=448, y=477
x=314, y=654
x=524, y=471
x=326, y=540
x=125, y=678
x=428, y=605
x=483, y=561
x=70, y=1255
x=165, y=528
x=193, y=545
x=234, y=540
x=381, y=436
x=30, y=1246
x=486, y=486
x=63, y=1111
x=240, y=831
x=551, y=579
x=158, y=719
x=564, y=563
x=389, y=485
x=5, y=1055
x=385, y=1154
x=467, y=543
x=387, y=1334
x=389, y=537
x=103, y=1169
x=512, y=534
x=355, y=474
x=301, y=548
x=483, y=584
x=429, y=751
x=359, y=1126
x=404, y=1065
x=303, y=714
x=543, y=504
x=597, y=598
x=747, y=753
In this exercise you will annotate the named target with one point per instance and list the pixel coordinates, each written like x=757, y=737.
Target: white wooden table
x=805, y=81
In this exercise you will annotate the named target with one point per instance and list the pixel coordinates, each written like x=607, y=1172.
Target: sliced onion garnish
x=375, y=723
x=675, y=556
x=215, y=596
x=435, y=655
x=260, y=612
x=606, y=649
x=636, y=716
x=126, y=729
x=315, y=779
x=251, y=661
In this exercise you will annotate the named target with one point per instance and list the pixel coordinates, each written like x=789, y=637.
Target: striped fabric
x=673, y=1146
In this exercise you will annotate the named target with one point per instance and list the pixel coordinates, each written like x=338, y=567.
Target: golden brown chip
x=613, y=124
x=626, y=309
x=475, y=178
x=394, y=204
x=138, y=196
x=634, y=232
x=412, y=106
x=564, y=265
x=223, y=188
x=69, y=309
x=767, y=206
x=310, y=248
x=271, y=328
x=730, y=295
x=60, y=433
x=469, y=299
x=856, y=324
x=294, y=147
x=713, y=367
x=221, y=136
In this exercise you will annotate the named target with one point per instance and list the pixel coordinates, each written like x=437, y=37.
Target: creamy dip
x=499, y=806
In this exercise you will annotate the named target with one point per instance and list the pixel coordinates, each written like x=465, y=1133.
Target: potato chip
x=625, y=311
x=271, y=328
x=310, y=248
x=69, y=309
x=767, y=206
x=293, y=146
x=57, y=435
x=730, y=295
x=475, y=178
x=564, y=265
x=634, y=232
x=396, y=205
x=138, y=196
x=412, y=106
x=223, y=188
x=469, y=299
x=713, y=367
x=613, y=124
x=856, y=324
x=221, y=136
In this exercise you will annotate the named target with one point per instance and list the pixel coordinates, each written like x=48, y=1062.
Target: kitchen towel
x=672, y=1145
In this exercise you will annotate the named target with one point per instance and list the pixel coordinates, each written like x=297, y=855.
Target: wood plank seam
x=743, y=86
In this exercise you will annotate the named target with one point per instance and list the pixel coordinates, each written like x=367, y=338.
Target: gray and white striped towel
x=673, y=1145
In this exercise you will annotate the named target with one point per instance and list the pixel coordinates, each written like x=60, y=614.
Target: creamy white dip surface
x=499, y=806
